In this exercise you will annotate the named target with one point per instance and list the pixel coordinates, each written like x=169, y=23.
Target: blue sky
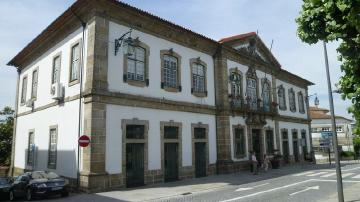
x=23, y=20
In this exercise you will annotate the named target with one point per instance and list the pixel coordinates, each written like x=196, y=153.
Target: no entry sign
x=84, y=141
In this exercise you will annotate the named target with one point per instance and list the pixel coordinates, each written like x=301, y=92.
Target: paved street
x=298, y=183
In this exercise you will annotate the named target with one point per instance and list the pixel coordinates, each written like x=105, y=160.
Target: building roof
x=48, y=32
x=321, y=113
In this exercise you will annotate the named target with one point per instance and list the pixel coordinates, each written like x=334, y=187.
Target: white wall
x=114, y=115
x=115, y=68
x=296, y=89
x=65, y=117
x=299, y=127
x=44, y=64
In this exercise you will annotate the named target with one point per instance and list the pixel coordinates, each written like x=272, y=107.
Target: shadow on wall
x=65, y=163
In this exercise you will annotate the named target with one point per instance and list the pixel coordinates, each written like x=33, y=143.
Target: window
x=325, y=129
x=239, y=143
x=282, y=100
x=200, y=133
x=171, y=132
x=284, y=134
x=269, y=141
x=34, y=84
x=136, y=64
x=75, y=62
x=56, y=69
x=236, y=88
x=314, y=130
x=339, y=129
x=252, y=93
x=292, y=100
x=31, y=149
x=198, y=78
x=23, y=90
x=135, y=131
x=266, y=95
x=170, y=71
x=301, y=103
x=251, y=89
x=52, y=149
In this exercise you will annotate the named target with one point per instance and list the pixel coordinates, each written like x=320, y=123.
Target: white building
x=175, y=105
x=321, y=127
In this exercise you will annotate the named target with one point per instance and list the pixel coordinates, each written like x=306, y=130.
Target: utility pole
x=335, y=142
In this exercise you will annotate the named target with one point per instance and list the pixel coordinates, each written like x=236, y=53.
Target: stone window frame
x=52, y=69
x=251, y=74
x=292, y=107
x=239, y=126
x=75, y=81
x=281, y=88
x=145, y=141
x=202, y=63
x=282, y=139
x=301, y=104
x=137, y=83
x=267, y=81
x=163, y=140
x=32, y=83
x=170, y=52
x=232, y=71
x=28, y=164
x=49, y=166
x=273, y=140
x=24, y=89
x=193, y=141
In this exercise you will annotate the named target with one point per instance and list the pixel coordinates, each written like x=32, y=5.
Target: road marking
x=249, y=188
x=356, y=177
x=321, y=180
x=346, y=174
x=309, y=188
x=266, y=191
x=351, y=169
x=316, y=174
x=304, y=173
x=328, y=175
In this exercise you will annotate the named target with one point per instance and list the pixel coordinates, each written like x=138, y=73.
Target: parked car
x=38, y=184
x=4, y=188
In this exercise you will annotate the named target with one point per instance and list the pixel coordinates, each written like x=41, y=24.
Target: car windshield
x=3, y=181
x=44, y=175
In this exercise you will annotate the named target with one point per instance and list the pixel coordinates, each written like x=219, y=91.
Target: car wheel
x=65, y=193
x=11, y=195
x=28, y=195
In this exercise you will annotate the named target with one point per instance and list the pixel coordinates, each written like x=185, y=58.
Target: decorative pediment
x=255, y=119
x=251, y=45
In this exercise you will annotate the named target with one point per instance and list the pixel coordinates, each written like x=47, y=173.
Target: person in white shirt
x=254, y=163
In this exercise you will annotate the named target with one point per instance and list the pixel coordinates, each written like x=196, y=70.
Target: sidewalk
x=198, y=185
x=351, y=194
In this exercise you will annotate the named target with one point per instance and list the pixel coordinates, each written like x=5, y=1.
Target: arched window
x=170, y=70
x=198, y=77
x=236, y=87
x=266, y=95
x=292, y=103
x=281, y=97
x=251, y=89
x=301, y=102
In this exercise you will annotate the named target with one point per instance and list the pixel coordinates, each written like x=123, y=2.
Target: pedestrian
x=266, y=163
x=254, y=163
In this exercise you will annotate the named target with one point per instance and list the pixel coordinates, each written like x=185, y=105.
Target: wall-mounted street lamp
x=126, y=43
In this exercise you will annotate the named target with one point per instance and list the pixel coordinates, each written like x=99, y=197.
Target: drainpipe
x=83, y=24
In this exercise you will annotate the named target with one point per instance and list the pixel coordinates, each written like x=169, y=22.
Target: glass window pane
x=200, y=133
x=135, y=131
x=171, y=132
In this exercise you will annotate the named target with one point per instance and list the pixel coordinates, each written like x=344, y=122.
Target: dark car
x=38, y=184
x=4, y=188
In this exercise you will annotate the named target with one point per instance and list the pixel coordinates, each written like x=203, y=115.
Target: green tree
x=339, y=20
x=6, y=134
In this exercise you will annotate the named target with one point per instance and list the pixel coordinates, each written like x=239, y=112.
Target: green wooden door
x=134, y=164
x=296, y=150
x=200, y=159
x=286, y=151
x=171, y=162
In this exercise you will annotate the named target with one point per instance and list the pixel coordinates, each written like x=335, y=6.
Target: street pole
x=335, y=142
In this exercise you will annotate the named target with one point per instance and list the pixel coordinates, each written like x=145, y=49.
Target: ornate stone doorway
x=257, y=143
